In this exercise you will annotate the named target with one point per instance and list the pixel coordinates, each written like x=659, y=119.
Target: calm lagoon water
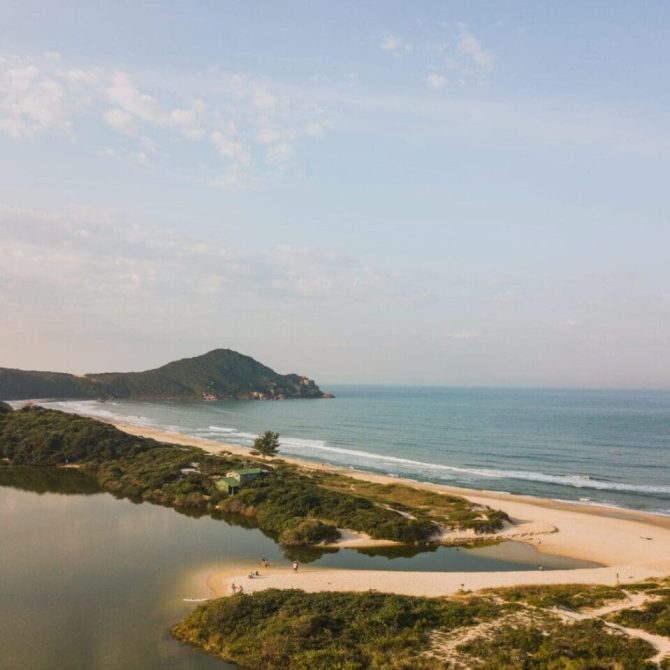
x=89, y=582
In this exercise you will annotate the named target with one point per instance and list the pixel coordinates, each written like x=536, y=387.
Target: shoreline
x=483, y=496
x=633, y=544
x=630, y=545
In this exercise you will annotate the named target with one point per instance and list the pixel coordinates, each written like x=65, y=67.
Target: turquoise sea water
x=607, y=447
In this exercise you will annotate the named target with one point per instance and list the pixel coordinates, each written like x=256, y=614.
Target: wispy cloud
x=31, y=101
x=470, y=46
x=395, y=45
x=456, y=55
x=49, y=261
x=250, y=127
x=436, y=81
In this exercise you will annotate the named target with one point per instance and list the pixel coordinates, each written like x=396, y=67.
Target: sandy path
x=634, y=601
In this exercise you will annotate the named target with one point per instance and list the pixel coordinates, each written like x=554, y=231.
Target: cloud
x=123, y=92
x=229, y=147
x=280, y=153
x=255, y=130
x=120, y=120
x=47, y=261
x=395, y=45
x=262, y=99
x=471, y=47
x=140, y=157
x=82, y=77
x=235, y=178
x=133, y=107
x=436, y=81
x=458, y=56
x=30, y=101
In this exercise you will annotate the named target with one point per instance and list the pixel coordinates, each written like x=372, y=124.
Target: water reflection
x=90, y=582
x=49, y=480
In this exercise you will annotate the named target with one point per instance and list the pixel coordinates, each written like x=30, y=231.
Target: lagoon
x=91, y=582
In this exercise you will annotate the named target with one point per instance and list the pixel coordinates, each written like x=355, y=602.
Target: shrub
x=309, y=532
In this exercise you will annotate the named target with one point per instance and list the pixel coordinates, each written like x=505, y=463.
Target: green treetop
x=267, y=444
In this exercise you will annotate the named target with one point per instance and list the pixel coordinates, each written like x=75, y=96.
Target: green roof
x=249, y=471
x=225, y=482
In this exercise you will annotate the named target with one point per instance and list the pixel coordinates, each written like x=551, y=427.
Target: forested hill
x=219, y=374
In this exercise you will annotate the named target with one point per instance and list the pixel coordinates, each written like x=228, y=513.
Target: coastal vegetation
x=654, y=616
x=221, y=373
x=517, y=628
x=451, y=512
x=499, y=629
x=267, y=444
x=570, y=596
x=293, y=506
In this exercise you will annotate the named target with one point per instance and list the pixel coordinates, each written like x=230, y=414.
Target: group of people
x=237, y=589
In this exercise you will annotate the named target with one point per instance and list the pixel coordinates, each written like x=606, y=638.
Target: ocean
x=595, y=447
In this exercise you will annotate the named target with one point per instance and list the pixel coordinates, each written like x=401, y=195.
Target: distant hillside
x=219, y=374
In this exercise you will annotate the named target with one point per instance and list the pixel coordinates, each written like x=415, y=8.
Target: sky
x=439, y=192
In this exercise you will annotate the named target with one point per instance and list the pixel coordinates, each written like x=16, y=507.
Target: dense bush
x=584, y=645
x=447, y=510
x=353, y=631
x=285, y=495
x=327, y=631
x=308, y=532
x=37, y=436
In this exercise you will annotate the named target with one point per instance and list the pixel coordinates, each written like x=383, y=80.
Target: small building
x=244, y=475
x=228, y=485
x=234, y=479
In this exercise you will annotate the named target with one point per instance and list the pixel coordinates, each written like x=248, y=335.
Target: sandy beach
x=631, y=545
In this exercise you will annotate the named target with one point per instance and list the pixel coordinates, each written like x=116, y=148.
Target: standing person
x=295, y=566
x=234, y=588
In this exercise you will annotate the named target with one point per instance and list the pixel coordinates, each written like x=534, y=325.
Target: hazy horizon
x=471, y=195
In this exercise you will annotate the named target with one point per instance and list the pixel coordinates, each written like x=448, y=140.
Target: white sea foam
x=95, y=409
x=319, y=449
x=436, y=470
x=222, y=429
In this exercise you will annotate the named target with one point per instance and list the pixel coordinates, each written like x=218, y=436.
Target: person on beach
x=240, y=590
x=234, y=588
x=295, y=566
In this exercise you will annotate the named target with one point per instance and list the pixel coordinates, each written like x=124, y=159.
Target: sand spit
x=631, y=545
